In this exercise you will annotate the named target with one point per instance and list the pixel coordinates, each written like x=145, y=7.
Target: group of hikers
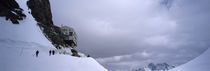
x=51, y=52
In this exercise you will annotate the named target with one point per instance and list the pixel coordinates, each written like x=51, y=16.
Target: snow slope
x=20, y=56
x=201, y=63
x=27, y=30
x=18, y=44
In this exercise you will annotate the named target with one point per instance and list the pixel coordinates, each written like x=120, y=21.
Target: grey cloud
x=120, y=34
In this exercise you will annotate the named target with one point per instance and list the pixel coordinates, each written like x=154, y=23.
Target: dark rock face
x=40, y=10
x=75, y=53
x=11, y=10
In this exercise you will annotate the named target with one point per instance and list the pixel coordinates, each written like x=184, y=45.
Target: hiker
x=53, y=52
x=37, y=53
x=50, y=52
x=88, y=55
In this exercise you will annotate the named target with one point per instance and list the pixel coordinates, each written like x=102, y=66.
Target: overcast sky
x=127, y=34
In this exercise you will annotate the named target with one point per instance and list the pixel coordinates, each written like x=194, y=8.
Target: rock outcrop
x=11, y=10
x=40, y=10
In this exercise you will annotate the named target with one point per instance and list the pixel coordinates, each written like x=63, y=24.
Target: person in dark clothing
x=88, y=55
x=50, y=52
x=37, y=53
x=53, y=52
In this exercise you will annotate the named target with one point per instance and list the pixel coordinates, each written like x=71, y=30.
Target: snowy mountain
x=19, y=42
x=201, y=63
x=156, y=67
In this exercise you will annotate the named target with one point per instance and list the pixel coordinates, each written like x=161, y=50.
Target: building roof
x=67, y=27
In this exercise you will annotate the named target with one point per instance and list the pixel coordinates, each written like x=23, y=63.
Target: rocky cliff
x=40, y=10
x=11, y=11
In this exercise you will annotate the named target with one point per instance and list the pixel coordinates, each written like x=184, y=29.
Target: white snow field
x=19, y=42
x=201, y=63
x=20, y=56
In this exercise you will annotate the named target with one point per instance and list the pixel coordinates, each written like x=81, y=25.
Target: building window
x=70, y=33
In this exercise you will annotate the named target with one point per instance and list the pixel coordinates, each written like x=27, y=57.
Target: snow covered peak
x=156, y=67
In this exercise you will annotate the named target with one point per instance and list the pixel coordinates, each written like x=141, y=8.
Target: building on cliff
x=69, y=36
